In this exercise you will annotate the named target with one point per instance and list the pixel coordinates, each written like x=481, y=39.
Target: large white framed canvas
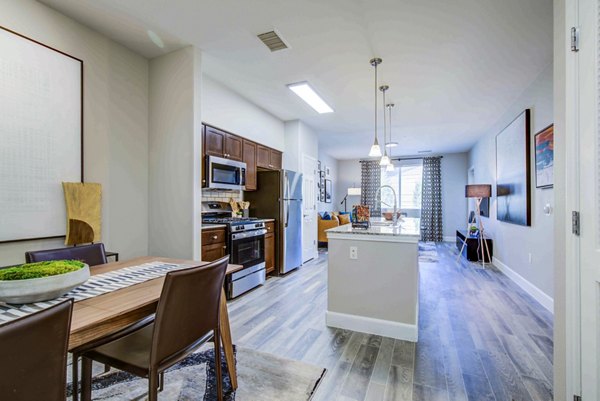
x=41, y=135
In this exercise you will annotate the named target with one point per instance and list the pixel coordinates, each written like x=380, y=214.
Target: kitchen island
x=373, y=279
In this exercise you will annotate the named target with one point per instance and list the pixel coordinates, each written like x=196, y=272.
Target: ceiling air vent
x=272, y=41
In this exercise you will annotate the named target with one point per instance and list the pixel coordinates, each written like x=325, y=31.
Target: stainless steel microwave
x=225, y=173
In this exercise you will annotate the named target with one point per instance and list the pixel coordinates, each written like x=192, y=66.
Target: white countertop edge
x=357, y=236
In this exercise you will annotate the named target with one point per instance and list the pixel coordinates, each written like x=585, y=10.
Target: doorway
x=309, y=208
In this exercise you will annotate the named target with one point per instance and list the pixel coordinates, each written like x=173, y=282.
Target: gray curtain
x=369, y=184
x=431, y=207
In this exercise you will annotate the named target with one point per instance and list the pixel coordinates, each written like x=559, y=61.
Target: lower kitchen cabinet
x=270, y=247
x=214, y=245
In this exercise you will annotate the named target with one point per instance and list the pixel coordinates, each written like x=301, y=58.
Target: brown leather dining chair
x=92, y=254
x=33, y=355
x=187, y=316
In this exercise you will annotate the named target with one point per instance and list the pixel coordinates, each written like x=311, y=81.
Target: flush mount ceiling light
x=391, y=144
x=307, y=93
x=385, y=160
x=375, y=149
x=155, y=39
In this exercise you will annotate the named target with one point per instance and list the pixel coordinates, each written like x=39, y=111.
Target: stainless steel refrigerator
x=279, y=196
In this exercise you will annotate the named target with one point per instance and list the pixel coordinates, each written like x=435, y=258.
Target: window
x=406, y=179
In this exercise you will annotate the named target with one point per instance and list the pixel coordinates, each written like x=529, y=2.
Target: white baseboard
x=449, y=238
x=385, y=328
x=546, y=301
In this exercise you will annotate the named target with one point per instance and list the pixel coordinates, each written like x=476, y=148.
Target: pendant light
x=389, y=106
x=385, y=160
x=375, y=149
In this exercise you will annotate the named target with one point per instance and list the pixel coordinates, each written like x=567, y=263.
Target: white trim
x=449, y=238
x=386, y=328
x=545, y=300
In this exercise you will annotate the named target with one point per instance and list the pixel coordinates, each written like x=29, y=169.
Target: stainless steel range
x=245, y=244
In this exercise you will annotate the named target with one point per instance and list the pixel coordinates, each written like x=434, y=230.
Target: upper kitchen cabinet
x=222, y=144
x=249, y=156
x=268, y=158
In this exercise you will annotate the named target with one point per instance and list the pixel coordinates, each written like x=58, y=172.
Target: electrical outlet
x=353, y=252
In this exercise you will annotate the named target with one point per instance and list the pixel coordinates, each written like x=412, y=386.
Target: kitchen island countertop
x=407, y=230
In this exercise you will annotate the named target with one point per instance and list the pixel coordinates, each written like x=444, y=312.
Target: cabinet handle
x=215, y=237
x=224, y=247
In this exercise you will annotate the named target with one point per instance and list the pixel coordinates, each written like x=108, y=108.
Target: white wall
x=226, y=109
x=300, y=139
x=454, y=179
x=454, y=203
x=115, y=125
x=175, y=151
x=332, y=164
x=513, y=243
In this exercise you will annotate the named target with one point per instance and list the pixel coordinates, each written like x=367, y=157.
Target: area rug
x=428, y=252
x=261, y=376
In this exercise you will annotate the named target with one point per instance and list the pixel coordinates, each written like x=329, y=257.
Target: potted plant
x=41, y=281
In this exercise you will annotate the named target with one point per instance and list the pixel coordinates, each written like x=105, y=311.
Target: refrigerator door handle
x=287, y=212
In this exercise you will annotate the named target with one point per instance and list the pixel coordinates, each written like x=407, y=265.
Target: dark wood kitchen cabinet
x=214, y=244
x=222, y=144
x=270, y=247
x=249, y=157
x=268, y=158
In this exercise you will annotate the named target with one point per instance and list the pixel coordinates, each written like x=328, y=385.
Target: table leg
x=227, y=342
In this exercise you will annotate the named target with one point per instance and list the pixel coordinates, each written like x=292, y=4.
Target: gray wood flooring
x=481, y=337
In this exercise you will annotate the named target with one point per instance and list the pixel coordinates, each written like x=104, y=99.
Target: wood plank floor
x=480, y=337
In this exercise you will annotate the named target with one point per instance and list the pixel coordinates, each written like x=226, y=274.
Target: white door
x=589, y=197
x=309, y=208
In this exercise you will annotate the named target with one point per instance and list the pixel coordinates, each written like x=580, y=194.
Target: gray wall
x=454, y=179
x=115, y=125
x=513, y=243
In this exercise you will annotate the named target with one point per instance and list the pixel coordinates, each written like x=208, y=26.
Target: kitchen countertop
x=408, y=230
x=268, y=220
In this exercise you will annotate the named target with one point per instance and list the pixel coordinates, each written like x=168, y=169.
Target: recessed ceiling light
x=391, y=144
x=307, y=93
x=424, y=151
x=155, y=39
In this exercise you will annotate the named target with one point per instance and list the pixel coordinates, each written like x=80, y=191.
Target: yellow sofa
x=336, y=220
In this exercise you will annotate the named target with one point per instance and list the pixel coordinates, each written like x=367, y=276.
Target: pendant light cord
x=376, y=141
x=384, y=125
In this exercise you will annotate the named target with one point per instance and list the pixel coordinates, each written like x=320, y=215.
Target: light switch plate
x=353, y=252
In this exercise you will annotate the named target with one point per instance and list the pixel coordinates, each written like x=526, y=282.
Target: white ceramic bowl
x=43, y=288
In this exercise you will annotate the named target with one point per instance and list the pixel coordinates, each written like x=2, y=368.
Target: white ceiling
x=453, y=67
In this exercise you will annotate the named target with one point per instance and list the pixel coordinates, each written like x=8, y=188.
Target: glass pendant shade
x=390, y=167
x=385, y=161
x=375, y=150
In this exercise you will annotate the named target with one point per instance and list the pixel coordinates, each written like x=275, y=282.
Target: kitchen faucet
x=395, y=215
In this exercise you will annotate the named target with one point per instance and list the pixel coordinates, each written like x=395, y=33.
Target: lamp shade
x=353, y=191
x=478, y=191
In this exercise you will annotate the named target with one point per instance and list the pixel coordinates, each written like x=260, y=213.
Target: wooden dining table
x=96, y=317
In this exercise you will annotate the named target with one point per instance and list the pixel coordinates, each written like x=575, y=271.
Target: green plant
x=40, y=269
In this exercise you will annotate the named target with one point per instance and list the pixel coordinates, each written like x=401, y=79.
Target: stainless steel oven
x=247, y=248
x=225, y=173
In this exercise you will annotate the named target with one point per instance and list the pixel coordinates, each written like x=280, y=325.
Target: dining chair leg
x=161, y=381
x=86, y=379
x=217, y=342
x=106, y=368
x=75, y=376
x=153, y=386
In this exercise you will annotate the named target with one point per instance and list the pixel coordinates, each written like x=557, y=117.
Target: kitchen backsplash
x=221, y=196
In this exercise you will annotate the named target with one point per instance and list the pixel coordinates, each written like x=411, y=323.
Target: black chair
x=187, y=316
x=33, y=355
x=93, y=254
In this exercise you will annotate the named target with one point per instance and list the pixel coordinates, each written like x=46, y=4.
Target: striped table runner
x=96, y=285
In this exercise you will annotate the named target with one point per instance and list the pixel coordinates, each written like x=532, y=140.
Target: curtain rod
x=404, y=158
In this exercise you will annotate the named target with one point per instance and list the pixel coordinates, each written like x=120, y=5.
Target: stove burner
x=229, y=220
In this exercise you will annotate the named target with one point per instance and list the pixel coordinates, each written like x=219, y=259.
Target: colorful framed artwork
x=544, y=158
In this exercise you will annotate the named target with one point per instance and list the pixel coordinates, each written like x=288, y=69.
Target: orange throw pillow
x=344, y=219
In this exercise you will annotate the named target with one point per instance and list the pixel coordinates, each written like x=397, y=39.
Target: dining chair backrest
x=33, y=355
x=188, y=309
x=93, y=254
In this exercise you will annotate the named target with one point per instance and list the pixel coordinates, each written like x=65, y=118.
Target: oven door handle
x=248, y=234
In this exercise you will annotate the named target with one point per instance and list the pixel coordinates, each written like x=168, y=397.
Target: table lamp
x=479, y=191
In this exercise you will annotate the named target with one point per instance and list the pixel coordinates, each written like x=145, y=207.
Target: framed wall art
x=544, y=158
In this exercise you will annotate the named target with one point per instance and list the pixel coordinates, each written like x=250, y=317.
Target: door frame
x=315, y=177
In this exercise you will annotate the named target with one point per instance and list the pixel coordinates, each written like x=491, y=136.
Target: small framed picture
x=327, y=191
x=327, y=171
x=544, y=158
